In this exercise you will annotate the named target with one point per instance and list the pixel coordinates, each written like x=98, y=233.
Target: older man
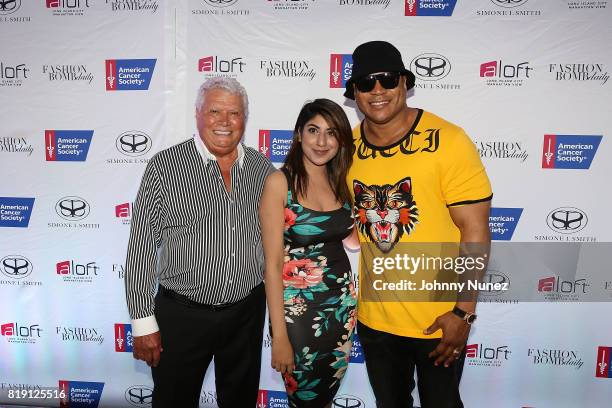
x=195, y=230
x=416, y=178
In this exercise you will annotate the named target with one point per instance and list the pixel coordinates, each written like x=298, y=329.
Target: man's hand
x=148, y=348
x=454, y=337
x=282, y=355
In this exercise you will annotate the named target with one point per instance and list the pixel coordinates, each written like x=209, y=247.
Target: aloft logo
x=67, y=145
x=80, y=394
x=215, y=64
x=15, y=332
x=15, y=211
x=431, y=8
x=604, y=362
x=123, y=338
x=124, y=212
x=569, y=151
x=481, y=355
x=129, y=74
x=275, y=144
x=340, y=70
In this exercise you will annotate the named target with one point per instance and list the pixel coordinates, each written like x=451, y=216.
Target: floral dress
x=320, y=301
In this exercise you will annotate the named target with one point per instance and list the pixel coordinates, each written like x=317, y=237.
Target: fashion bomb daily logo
x=133, y=5
x=139, y=396
x=501, y=73
x=497, y=149
x=503, y=221
x=579, y=73
x=272, y=399
x=558, y=289
x=481, y=355
x=80, y=334
x=604, y=362
x=434, y=8
x=129, y=74
x=555, y=357
x=432, y=70
x=67, y=7
x=288, y=68
x=275, y=144
x=340, y=70
x=214, y=65
x=18, y=145
x=15, y=211
x=80, y=394
x=67, y=145
x=19, y=332
x=67, y=73
x=373, y=3
x=569, y=151
x=124, y=341
x=13, y=74
x=74, y=272
x=514, y=8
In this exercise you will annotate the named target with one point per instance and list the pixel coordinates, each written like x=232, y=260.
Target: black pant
x=191, y=337
x=391, y=360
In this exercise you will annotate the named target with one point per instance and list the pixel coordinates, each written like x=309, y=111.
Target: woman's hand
x=282, y=355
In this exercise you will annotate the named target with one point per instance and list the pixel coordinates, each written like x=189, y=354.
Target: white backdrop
x=123, y=74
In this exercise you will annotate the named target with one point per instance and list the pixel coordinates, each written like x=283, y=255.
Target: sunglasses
x=388, y=80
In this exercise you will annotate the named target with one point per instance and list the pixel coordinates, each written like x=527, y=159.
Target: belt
x=185, y=301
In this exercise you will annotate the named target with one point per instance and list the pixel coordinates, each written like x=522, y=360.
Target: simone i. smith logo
x=129, y=74
x=80, y=394
x=567, y=220
x=16, y=266
x=348, y=401
x=340, y=70
x=124, y=341
x=275, y=144
x=133, y=143
x=432, y=8
x=72, y=208
x=67, y=145
x=569, y=151
x=604, y=362
x=272, y=399
x=139, y=396
x=15, y=211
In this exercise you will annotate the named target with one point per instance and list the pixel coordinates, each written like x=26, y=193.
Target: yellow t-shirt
x=402, y=193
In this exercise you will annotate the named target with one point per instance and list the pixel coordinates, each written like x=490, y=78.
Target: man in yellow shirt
x=416, y=180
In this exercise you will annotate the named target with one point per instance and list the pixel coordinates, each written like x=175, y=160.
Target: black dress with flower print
x=319, y=301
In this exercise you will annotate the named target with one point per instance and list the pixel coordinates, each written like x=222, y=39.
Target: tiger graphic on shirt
x=385, y=213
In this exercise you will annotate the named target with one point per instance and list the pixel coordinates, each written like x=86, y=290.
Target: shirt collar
x=207, y=155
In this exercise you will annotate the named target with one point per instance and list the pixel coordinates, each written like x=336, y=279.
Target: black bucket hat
x=376, y=56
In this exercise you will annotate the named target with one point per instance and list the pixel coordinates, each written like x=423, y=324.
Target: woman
x=305, y=214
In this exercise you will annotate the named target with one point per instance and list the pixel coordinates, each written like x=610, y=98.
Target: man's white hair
x=229, y=84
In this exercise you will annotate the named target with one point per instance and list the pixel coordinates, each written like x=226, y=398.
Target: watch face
x=471, y=319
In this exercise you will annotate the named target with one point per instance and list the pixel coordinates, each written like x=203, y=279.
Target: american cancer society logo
x=275, y=144
x=340, y=70
x=272, y=399
x=67, y=145
x=15, y=211
x=604, y=360
x=503, y=221
x=80, y=394
x=569, y=151
x=356, y=351
x=432, y=8
x=129, y=74
x=123, y=338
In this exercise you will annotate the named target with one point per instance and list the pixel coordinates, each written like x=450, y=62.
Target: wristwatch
x=467, y=317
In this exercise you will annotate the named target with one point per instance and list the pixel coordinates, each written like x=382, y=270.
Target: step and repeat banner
x=91, y=89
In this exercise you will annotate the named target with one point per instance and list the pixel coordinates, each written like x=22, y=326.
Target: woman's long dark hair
x=338, y=167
